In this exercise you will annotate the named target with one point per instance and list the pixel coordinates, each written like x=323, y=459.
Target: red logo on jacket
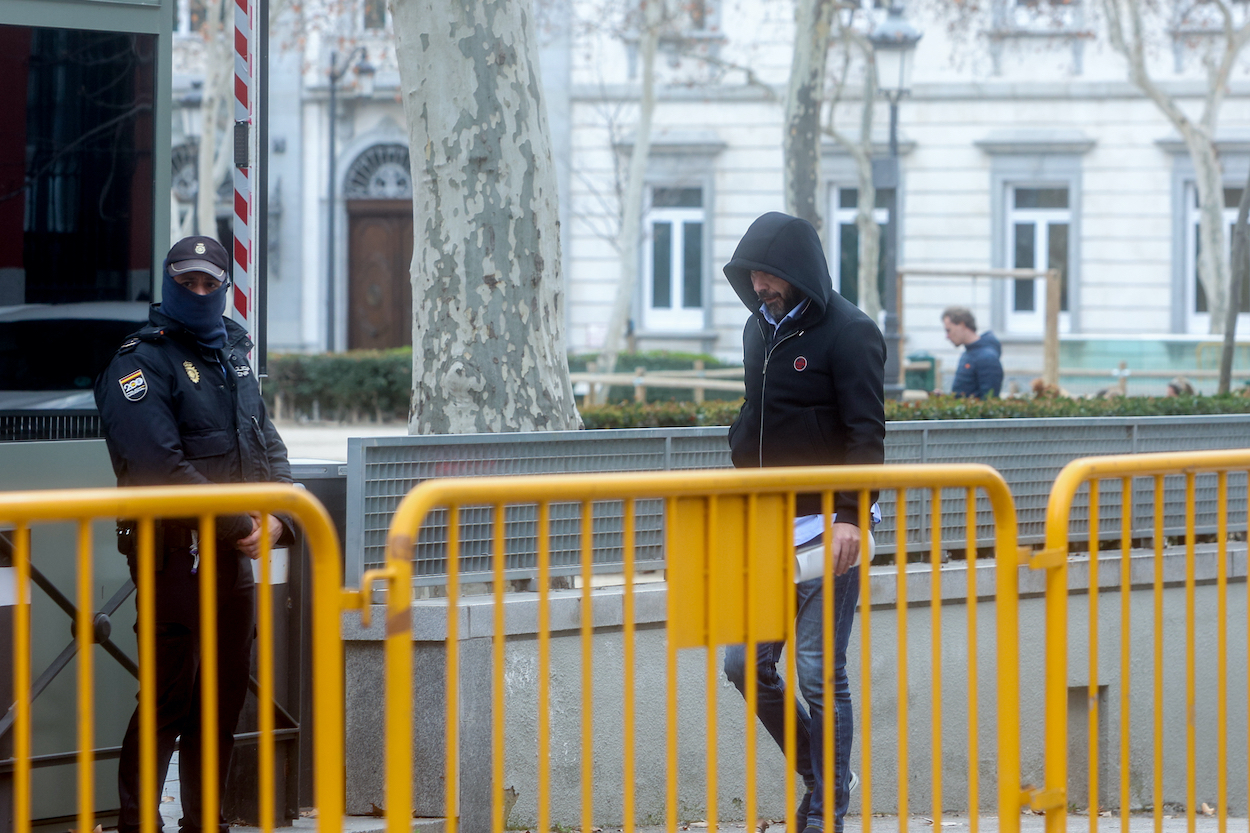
x=800, y=363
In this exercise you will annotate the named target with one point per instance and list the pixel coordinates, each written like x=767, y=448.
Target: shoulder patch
x=134, y=386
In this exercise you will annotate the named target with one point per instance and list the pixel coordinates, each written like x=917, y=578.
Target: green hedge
x=670, y=414
x=376, y=384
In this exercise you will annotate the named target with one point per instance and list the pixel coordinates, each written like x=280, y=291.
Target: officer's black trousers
x=178, y=682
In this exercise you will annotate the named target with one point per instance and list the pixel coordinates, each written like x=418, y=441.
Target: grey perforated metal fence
x=1028, y=452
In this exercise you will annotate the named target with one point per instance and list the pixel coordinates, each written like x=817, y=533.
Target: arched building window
x=380, y=173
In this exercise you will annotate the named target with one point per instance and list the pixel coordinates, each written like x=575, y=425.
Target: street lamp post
x=894, y=44
x=365, y=70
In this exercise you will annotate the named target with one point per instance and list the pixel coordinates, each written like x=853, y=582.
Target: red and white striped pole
x=244, y=299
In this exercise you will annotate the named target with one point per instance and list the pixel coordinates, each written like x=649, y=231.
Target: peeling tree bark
x=488, y=321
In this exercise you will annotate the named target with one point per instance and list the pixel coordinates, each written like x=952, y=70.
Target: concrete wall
x=880, y=705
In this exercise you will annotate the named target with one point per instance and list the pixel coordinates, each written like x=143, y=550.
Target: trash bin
x=920, y=372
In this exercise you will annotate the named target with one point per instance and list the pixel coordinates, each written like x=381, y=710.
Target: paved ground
x=328, y=441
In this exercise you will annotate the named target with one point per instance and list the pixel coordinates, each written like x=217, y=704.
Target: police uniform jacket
x=814, y=387
x=175, y=412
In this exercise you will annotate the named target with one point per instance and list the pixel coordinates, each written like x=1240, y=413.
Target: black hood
x=787, y=247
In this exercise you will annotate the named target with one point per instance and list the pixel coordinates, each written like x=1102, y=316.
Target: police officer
x=179, y=404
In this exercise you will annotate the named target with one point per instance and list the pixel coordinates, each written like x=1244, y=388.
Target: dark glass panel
x=677, y=197
x=76, y=150
x=1025, y=258
x=662, y=265
x=692, y=265
x=1041, y=198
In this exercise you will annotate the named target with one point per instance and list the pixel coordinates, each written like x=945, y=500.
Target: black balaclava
x=200, y=314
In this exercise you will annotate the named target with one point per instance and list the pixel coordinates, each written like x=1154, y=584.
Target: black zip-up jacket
x=814, y=392
x=174, y=412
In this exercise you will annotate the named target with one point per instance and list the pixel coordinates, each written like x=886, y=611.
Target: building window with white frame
x=844, y=239
x=673, y=260
x=1199, y=314
x=1038, y=226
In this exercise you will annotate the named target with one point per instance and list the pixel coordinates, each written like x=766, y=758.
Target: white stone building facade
x=1022, y=143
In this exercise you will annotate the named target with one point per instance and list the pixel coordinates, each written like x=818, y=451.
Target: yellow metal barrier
x=1123, y=472
x=21, y=510
x=730, y=561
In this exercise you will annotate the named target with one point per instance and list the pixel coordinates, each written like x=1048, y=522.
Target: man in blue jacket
x=980, y=372
x=814, y=368
x=179, y=404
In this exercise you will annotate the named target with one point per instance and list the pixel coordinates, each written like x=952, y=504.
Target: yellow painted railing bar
x=790, y=720
x=1091, y=696
x=265, y=681
x=935, y=641
x=827, y=737
x=1043, y=800
x=1126, y=632
x=439, y=492
x=398, y=708
x=629, y=555
x=146, y=571
x=1221, y=660
x=588, y=679
x=1191, y=657
x=712, y=484
x=1158, y=655
x=974, y=708
x=21, y=681
x=711, y=520
x=544, y=701
x=865, y=673
x=210, y=787
x=670, y=685
x=451, y=784
x=544, y=666
x=1007, y=634
x=900, y=563
x=750, y=668
x=498, y=641
x=145, y=503
x=86, y=681
x=1056, y=664
x=1047, y=559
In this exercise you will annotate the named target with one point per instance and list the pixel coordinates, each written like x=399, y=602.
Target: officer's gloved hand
x=250, y=544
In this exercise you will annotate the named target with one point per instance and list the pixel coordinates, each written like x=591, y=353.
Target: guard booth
x=85, y=184
x=84, y=162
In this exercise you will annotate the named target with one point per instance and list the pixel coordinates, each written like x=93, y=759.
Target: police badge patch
x=134, y=386
x=192, y=373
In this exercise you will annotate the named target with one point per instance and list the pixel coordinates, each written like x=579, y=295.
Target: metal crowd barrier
x=20, y=510
x=1172, y=478
x=730, y=566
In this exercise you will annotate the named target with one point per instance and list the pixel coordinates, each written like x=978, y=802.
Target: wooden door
x=379, y=283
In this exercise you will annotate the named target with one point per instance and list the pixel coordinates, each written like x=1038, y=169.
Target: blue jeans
x=770, y=706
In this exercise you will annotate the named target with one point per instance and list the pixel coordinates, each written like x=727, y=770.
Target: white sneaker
x=854, y=783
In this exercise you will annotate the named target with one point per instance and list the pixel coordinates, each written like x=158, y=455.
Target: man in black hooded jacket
x=179, y=404
x=814, y=368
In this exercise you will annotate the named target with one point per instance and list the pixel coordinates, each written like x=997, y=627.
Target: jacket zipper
x=768, y=354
